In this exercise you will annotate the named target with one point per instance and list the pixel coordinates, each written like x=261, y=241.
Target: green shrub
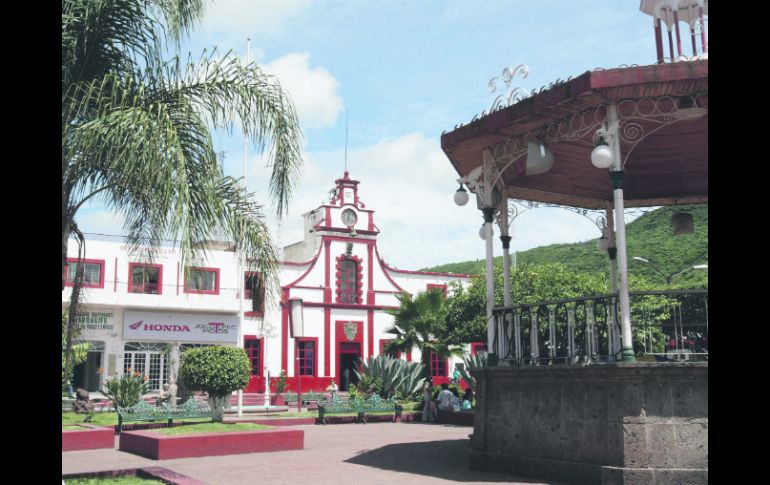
x=126, y=390
x=281, y=384
x=216, y=370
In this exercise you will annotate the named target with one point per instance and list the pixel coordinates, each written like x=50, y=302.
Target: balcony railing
x=666, y=326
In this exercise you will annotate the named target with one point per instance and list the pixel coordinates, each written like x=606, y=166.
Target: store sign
x=95, y=320
x=180, y=326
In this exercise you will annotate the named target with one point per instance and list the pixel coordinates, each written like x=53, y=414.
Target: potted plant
x=277, y=399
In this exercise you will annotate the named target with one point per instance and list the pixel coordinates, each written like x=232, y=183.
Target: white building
x=139, y=315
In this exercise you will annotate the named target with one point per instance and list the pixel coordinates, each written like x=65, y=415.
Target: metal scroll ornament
x=350, y=329
x=512, y=94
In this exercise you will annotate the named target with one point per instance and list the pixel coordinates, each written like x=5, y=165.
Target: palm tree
x=418, y=321
x=135, y=131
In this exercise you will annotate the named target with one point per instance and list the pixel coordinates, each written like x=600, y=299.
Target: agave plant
x=396, y=376
x=478, y=360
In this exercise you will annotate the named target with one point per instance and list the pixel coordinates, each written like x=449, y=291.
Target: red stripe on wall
x=284, y=330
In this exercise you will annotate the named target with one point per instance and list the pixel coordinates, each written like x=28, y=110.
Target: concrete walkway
x=375, y=453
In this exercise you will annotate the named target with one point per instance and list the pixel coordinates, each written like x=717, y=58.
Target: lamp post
x=297, y=329
x=669, y=277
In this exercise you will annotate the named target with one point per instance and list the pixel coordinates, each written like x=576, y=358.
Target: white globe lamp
x=602, y=155
x=461, y=196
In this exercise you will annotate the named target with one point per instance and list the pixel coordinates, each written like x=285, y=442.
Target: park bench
x=373, y=404
x=143, y=411
x=312, y=398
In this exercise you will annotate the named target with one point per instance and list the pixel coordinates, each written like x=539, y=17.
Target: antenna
x=346, y=141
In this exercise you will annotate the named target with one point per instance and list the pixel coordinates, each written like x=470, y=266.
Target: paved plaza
x=375, y=453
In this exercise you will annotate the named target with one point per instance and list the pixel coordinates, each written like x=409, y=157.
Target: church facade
x=142, y=315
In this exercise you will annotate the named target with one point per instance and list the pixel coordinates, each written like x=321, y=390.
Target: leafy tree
x=216, y=370
x=79, y=352
x=420, y=322
x=135, y=131
x=649, y=236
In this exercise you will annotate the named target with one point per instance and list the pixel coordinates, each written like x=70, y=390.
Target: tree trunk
x=71, y=318
x=217, y=405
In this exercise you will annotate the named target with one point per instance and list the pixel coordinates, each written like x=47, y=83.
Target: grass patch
x=211, y=428
x=111, y=419
x=113, y=481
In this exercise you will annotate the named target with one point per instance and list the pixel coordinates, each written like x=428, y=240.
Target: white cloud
x=313, y=90
x=243, y=18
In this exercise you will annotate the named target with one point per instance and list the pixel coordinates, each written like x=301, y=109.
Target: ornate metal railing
x=666, y=326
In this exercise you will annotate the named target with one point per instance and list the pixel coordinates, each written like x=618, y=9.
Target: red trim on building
x=340, y=337
x=327, y=343
x=385, y=268
x=328, y=218
x=370, y=331
x=300, y=287
x=131, y=266
x=349, y=239
x=347, y=306
x=443, y=288
x=284, y=329
x=215, y=291
x=312, y=265
x=370, y=227
x=383, y=343
x=478, y=347
x=101, y=264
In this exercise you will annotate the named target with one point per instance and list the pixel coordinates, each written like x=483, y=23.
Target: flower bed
x=371, y=418
x=90, y=437
x=161, y=447
x=151, y=472
x=462, y=418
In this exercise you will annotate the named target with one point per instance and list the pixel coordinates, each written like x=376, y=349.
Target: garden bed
x=88, y=437
x=371, y=418
x=462, y=418
x=158, y=446
x=162, y=475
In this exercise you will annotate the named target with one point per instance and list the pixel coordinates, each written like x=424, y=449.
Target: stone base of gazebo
x=610, y=424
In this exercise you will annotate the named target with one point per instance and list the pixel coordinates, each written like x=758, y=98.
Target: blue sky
x=404, y=71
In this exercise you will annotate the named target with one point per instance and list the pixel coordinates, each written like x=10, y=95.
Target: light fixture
x=682, y=223
x=602, y=244
x=461, y=196
x=539, y=158
x=483, y=233
x=296, y=317
x=602, y=155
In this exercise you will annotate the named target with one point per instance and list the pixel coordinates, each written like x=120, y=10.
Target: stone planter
x=89, y=438
x=158, y=446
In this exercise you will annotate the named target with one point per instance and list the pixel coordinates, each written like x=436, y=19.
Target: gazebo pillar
x=505, y=238
x=617, y=176
x=488, y=210
x=612, y=253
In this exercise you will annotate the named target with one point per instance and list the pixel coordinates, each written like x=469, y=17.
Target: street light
x=670, y=277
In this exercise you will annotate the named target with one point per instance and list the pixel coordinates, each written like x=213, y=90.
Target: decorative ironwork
x=667, y=326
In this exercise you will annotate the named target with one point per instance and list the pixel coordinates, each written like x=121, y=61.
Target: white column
x=489, y=212
x=505, y=238
x=617, y=177
x=612, y=252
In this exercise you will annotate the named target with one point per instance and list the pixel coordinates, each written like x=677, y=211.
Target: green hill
x=650, y=236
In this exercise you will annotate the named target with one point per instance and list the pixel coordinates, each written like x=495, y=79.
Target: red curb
x=90, y=438
x=160, y=447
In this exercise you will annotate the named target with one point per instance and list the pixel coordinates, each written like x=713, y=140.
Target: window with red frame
x=202, y=280
x=437, y=366
x=255, y=292
x=441, y=288
x=349, y=281
x=93, y=272
x=253, y=349
x=306, y=354
x=145, y=278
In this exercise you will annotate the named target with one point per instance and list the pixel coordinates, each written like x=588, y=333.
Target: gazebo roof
x=663, y=114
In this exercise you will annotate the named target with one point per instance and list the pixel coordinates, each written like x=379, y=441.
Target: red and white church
x=346, y=288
